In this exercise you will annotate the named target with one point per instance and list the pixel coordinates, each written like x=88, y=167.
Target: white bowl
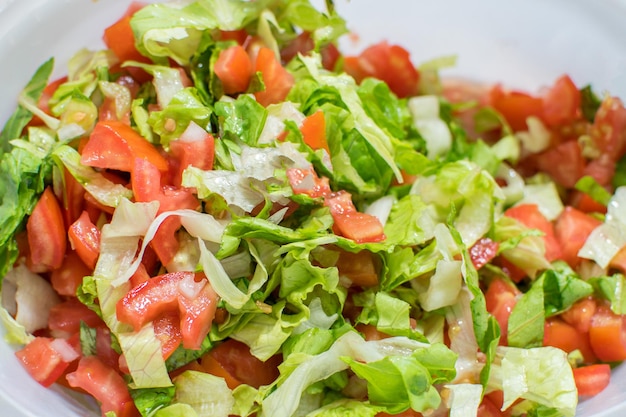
x=522, y=43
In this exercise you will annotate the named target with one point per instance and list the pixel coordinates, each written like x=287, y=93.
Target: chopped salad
x=222, y=214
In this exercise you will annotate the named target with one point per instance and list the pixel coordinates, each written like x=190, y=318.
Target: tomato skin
x=105, y=385
x=45, y=229
x=389, y=63
x=370, y=332
x=69, y=276
x=561, y=103
x=306, y=181
x=234, y=358
x=581, y=314
x=360, y=267
x=234, y=69
x=572, y=228
x=67, y=316
x=115, y=145
x=313, y=130
x=488, y=409
x=199, y=153
x=566, y=337
x=350, y=223
x=609, y=128
x=42, y=361
x=592, y=379
x=167, y=330
x=607, y=335
x=564, y=163
x=197, y=315
x=84, y=238
x=530, y=216
x=278, y=81
x=483, y=251
x=501, y=297
x=515, y=106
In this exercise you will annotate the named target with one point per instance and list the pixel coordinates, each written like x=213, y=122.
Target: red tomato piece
x=84, y=238
x=313, y=130
x=592, y=379
x=564, y=163
x=530, y=216
x=602, y=169
x=199, y=152
x=609, y=128
x=73, y=198
x=360, y=268
x=580, y=314
x=67, y=316
x=235, y=359
x=278, y=81
x=105, y=385
x=483, y=251
x=561, y=103
x=66, y=279
x=350, y=223
x=306, y=181
x=389, y=63
x=572, y=228
x=233, y=67
x=197, y=314
x=501, y=298
x=566, y=337
x=46, y=359
x=45, y=229
x=370, y=332
x=115, y=145
x=167, y=330
x=488, y=409
x=607, y=335
x=515, y=106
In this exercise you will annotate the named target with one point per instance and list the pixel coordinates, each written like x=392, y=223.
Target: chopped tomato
x=196, y=148
x=619, y=260
x=45, y=359
x=609, y=128
x=84, y=238
x=389, y=63
x=515, y=106
x=306, y=181
x=572, y=228
x=566, y=337
x=105, y=385
x=67, y=316
x=235, y=359
x=500, y=298
x=530, y=216
x=45, y=228
x=169, y=293
x=360, y=267
x=483, y=251
x=350, y=223
x=580, y=314
x=488, y=409
x=233, y=67
x=592, y=379
x=313, y=130
x=277, y=80
x=407, y=413
x=564, y=163
x=608, y=335
x=370, y=332
x=69, y=276
x=304, y=44
x=561, y=103
x=115, y=145
x=601, y=169
x=73, y=198
x=167, y=330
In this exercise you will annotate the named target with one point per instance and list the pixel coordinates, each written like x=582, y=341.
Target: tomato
x=561, y=103
x=360, y=268
x=67, y=316
x=84, y=238
x=277, y=80
x=73, y=198
x=483, y=251
x=46, y=359
x=407, y=413
x=389, y=63
x=488, y=409
x=233, y=67
x=572, y=228
x=607, y=335
x=601, y=169
x=313, y=130
x=234, y=359
x=580, y=314
x=306, y=181
x=592, y=379
x=501, y=298
x=584, y=202
x=194, y=300
x=198, y=151
x=69, y=276
x=515, y=106
x=120, y=39
x=619, y=260
x=304, y=44
x=239, y=35
x=609, y=128
x=370, y=332
x=566, y=337
x=167, y=330
x=350, y=223
x=115, y=145
x=105, y=385
x=530, y=216
x=564, y=163
x=45, y=229
x=497, y=399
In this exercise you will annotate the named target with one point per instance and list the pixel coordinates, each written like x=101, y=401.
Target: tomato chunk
x=45, y=359
x=84, y=238
x=607, y=335
x=572, y=228
x=501, y=297
x=593, y=379
x=66, y=279
x=566, y=337
x=234, y=69
x=306, y=181
x=483, y=251
x=515, y=106
x=360, y=227
x=277, y=80
x=313, y=130
x=45, y=228
x=561, y=103
x=360, y=268
x=530, y=216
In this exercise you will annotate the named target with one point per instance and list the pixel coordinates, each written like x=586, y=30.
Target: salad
x=224, y=214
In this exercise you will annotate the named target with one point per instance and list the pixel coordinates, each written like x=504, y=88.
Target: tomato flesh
x=43, y=361
x=45, y=228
